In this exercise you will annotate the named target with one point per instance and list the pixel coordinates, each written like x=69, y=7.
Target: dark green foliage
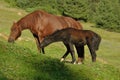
x=104, y=13
x=30, y=5
x=76, y=9
x=107, y=14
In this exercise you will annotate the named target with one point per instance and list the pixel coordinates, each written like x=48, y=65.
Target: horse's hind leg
x=80, y=52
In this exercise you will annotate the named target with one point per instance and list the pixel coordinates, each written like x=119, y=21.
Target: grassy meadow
x=21, y=60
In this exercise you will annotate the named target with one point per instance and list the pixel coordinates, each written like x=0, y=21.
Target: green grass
x=21, y=60
x=19, y=63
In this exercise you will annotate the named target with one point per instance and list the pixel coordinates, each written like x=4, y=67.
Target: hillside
x=21, y=60
x=20, y=63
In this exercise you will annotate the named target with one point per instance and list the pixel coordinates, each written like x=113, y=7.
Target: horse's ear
x=14, y=22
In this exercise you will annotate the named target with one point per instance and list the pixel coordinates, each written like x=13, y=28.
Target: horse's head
x=15, y=32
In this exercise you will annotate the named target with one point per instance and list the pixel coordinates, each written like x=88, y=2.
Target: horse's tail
x=97, y=40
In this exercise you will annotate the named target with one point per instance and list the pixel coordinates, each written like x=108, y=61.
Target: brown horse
x=41, y=24
x=77, y=37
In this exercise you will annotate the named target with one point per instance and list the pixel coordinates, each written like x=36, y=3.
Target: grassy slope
x=21, y=61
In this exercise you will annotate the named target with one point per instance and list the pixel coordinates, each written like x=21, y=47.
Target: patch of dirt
x=4, y=36
x=19, y=39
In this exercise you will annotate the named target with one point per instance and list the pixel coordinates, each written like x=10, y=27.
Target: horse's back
x=59, y=20
x=72, y=23
x=50, y=23
x=42, y=23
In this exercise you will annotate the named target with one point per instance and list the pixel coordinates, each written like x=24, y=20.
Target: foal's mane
x=59, y=32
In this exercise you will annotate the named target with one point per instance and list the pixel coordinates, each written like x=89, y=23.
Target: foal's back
x=83, y=37
x=75, y=33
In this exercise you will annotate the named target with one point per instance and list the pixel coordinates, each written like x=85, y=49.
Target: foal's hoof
x=73, y=62
x=62, y=59
x=79, y=63
x=93, y=60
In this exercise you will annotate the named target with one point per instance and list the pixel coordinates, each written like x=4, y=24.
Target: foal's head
x=15, y=32
x=47, y=40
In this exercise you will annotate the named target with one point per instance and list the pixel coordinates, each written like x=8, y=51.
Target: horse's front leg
x=80, y=52
x=38, y=44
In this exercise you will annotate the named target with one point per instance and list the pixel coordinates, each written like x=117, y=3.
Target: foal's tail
x=97, y=40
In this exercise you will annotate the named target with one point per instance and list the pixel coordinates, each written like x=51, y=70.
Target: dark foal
x=75, y=37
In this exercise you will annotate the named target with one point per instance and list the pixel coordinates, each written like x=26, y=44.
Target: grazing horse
x=75, y=37
x=41, y=24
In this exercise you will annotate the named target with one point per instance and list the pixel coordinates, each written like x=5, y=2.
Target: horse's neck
x=23, y=25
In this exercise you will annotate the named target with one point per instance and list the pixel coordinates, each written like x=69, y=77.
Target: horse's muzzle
x=10, y=40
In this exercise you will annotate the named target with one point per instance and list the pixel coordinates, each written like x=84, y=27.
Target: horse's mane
x=31, y=18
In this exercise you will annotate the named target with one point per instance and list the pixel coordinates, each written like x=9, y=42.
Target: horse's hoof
x=62, y=59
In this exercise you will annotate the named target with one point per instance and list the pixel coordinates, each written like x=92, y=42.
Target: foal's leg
x=92, y=51
x=66, y=53
x=72, y=53
x=80, y=52
x=70, y=49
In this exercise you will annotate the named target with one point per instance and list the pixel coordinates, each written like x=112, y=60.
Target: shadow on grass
x=2, y=77
x=21, y=64
x=52, y=69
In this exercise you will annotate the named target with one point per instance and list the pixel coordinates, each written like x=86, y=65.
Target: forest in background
x=104, y=13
